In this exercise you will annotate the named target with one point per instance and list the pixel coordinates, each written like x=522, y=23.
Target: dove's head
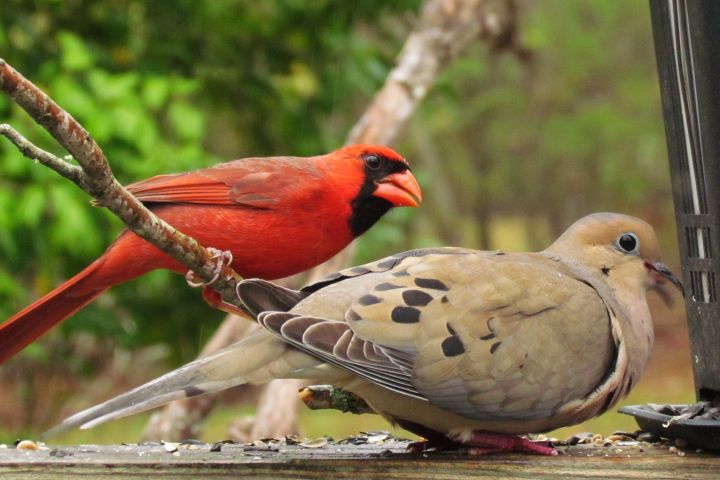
x=623, y=249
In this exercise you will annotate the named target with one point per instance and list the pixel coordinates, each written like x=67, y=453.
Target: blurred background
x=511, y=146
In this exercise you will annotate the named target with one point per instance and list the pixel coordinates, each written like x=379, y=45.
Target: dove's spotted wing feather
x=381, y=301
x=341, y=337
x=383, y=265
x=489, y=335
x=508, y=348
x=259, y=296
x=335, y=343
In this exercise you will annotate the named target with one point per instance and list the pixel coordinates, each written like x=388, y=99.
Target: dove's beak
x=660, y=273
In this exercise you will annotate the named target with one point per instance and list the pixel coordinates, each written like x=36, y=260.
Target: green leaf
x=187, y=121
x=74, y=55
x=110, y=87
x=31, y=205
x=74, y=97
x=155, y=92
x=126, y=120
x=184, y=86
x=73, y=228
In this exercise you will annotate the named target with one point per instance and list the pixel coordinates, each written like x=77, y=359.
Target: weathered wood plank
x=376, y=461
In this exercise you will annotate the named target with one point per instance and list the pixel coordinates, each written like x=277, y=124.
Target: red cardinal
x=277, y=216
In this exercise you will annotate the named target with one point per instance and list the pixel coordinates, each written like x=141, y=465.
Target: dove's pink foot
x=479, y=443
x=483, y=443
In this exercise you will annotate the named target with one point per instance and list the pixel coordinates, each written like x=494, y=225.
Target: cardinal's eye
x=628, y=243
x=373, y=162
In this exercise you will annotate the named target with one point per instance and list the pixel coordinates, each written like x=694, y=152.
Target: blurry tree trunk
x=182, y=419
x=480, y=207
x=443, y=30
x=277, y=407
x=444, y=206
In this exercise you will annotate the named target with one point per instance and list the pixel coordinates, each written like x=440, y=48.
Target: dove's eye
x=628, y=243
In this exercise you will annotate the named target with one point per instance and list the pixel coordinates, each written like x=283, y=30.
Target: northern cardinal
x=457, y=345
x=277, y=216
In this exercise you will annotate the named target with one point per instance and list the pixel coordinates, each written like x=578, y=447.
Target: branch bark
x=321, y=397
x=96, y=178
x=67, y=170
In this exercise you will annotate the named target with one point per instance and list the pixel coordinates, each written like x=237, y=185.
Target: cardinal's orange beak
x=401, y=189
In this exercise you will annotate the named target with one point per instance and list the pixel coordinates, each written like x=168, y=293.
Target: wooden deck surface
x=382, y=460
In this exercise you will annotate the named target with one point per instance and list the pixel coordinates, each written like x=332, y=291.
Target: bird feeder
x=687, y=47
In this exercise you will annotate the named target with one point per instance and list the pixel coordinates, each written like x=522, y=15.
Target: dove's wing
x=482, y=334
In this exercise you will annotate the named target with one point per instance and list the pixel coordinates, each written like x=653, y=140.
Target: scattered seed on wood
x=56, y=452
x=27, y=445
x=170, y=447
x=316, y=443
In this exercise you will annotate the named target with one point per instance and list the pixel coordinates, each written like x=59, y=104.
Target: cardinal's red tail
x=39, y=317
x=112, y=268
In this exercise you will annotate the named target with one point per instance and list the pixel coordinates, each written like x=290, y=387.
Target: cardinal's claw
x=214, y=299
x=223, y=258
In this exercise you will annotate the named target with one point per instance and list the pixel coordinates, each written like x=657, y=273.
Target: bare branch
x=445, y=28
x=96, y=178
x=63, y=127
x=27, y=148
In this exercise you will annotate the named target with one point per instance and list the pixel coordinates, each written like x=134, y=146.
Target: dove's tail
x=258, y=358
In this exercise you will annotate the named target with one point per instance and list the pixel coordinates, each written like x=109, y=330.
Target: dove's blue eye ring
x=628, y=243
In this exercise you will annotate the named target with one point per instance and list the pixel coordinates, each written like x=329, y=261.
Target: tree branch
x=320, y=397
x=95, y=177
x=27, y=148
x=445, y=28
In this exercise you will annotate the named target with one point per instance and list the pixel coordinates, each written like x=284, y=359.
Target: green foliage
x=576, y=128
x=237, y=79
x=147, y=124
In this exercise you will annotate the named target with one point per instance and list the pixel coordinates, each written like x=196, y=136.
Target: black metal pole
x=687, y=47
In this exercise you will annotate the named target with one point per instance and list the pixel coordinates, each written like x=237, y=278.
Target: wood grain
x=376, y=461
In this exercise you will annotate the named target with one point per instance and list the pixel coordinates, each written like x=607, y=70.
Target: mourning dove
x=452, y=343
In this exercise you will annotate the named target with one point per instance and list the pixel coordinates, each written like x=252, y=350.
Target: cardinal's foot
x=214, y=299
x=482, y=443
x=222, y=259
